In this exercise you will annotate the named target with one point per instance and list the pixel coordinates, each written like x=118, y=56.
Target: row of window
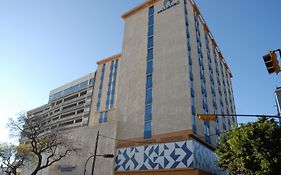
x=202, y=79
x=225, y=95
x=149, y=77
x=219, y=89
x=109, y=85
x=100, y=88
x=71, y=89
x=114, y=84
x=214, y=102
x=103, y=117
x=192, y=92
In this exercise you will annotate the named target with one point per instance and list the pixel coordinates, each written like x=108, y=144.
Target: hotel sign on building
x=167, y=4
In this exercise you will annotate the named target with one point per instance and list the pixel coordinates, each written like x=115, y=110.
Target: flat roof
x=113, y=57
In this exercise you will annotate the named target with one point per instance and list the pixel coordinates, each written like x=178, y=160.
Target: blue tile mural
x=185, y=154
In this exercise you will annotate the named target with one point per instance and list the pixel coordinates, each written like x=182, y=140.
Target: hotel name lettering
x=168, y=4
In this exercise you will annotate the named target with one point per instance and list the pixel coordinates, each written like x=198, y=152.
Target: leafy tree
x=45, y=147
x=252, y=149
x=11, y=158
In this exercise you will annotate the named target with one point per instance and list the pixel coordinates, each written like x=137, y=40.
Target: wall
x=84, y=138
x=168, y=156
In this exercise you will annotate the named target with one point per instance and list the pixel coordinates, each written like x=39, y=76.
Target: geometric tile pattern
x=160, y=156
x=185, y=154
x=205, y=159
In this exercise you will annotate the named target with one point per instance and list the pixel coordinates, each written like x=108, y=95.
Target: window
x=149, y=78
x=149, y=67
x=66, y=123
x=67, y=115
x=151, y=20
x=70, y=97
x=192, y=92
x=57, y=95
x=149, y=81
x=148, y=111
x=105, y=117
x=81, y=102
x=190, y=75
x=100, y=88
x=78, y=120
x=193, y=110
x=150, y=42
x=148, y=98
x=92, y=80
x=58, y=102
x=110, y=81
x=83, y=93
x=150, y=30
x=147, y=129
x=151, y=10
x=71, y=89
x=69, y=106
x=101, y=117
x=56, y=111
x=83, y=84
x=149, y=54
x=80, y=111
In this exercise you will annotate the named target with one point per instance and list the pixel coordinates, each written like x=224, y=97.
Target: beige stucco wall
x=171, y=109
x=85, y=138
x=131, y=93
x=171, y=105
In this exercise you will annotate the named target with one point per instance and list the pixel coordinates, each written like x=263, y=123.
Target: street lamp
x=95, y=155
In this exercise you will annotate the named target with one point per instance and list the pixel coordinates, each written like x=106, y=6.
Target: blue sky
x=45, y=44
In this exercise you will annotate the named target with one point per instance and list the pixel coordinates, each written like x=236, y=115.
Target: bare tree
x=47, y=147
x=11, y=158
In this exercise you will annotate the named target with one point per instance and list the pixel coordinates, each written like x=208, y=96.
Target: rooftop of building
x=108, y=59
x=148, y=3
x=73, y=83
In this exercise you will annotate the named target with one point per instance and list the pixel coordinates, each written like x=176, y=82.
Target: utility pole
x=95, y=153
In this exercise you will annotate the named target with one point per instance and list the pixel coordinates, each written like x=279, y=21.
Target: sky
x=45, y=44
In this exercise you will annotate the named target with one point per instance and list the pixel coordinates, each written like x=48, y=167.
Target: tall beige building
x=145, y=100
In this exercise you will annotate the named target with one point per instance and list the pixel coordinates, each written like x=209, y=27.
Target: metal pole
x=85, y=165
x=246, y=115
x=95, y=153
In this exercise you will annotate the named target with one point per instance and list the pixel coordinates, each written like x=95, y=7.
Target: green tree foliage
x=252, y=149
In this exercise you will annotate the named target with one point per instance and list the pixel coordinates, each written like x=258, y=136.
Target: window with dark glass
x=150, y=42
x=149, y=67
x=149, y=54
x=149, y=81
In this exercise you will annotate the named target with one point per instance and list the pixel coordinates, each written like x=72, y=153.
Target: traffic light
x=209, y=117
x=271, y=63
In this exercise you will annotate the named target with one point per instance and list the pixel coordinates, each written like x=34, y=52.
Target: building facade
x=145, y=100
x=278, y=100
x=68, y=106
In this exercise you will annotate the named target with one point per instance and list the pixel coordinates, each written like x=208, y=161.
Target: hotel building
x=144, y=101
